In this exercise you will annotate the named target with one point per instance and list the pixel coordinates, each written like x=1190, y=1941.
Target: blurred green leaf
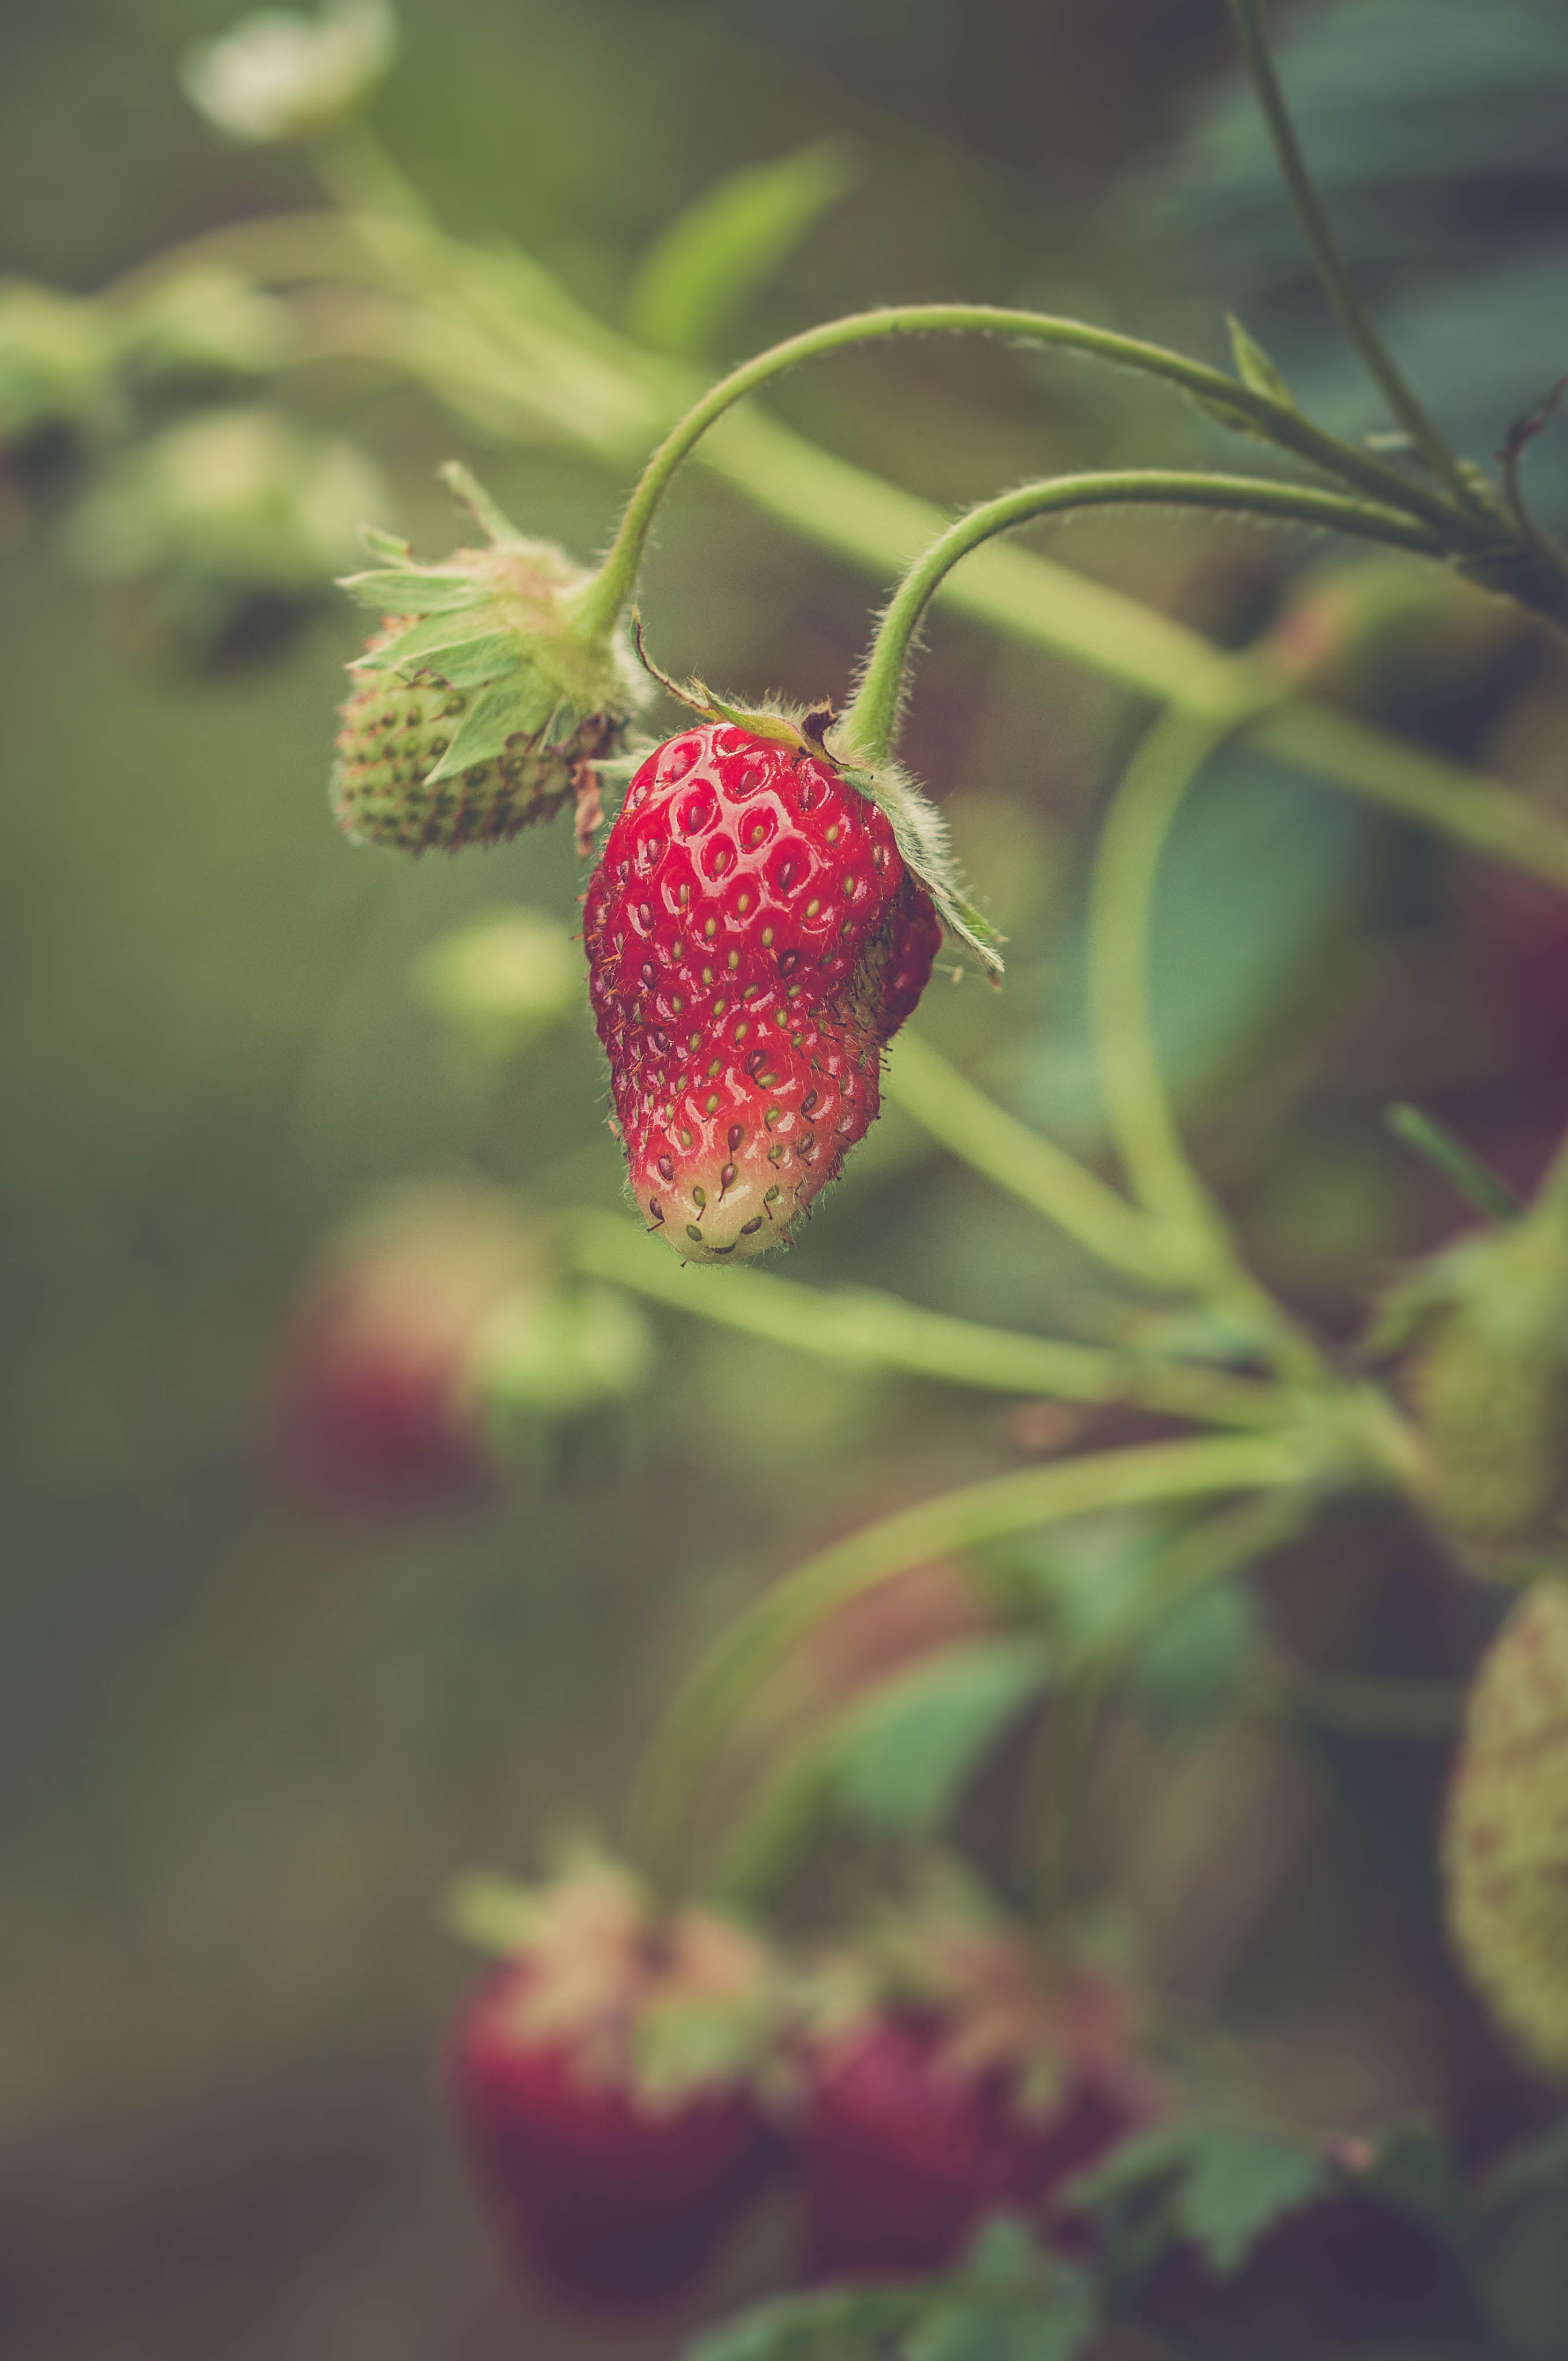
x=1010, y=2303
x=1220, y=2185
x=1522, y=2209
x=1254, y=365
x=1189, y=1669
x=1265, y=870
x=717, y=253
x=1413, y=2169
x=1434, y=131
x=912, y=1745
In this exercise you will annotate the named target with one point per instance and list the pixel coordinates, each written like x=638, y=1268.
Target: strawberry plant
x=865, y=1956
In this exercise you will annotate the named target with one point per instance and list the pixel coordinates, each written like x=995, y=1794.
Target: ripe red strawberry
x=925, y=2113
x=605, y=2079
x=754, y=940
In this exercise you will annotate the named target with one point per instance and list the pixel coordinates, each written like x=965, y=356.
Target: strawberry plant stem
x=507, y=348
x=702, y=1713
x=1276, y=420
x=1048, y=1809
x=1329, y=263
x=1137, y=1105
x=946, y=1103
x=872, y=1331
x=869, y=727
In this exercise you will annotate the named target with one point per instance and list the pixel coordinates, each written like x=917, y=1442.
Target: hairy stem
x=1329, y=263
x=1279, y=421
x=870, y=724
x=606, y=396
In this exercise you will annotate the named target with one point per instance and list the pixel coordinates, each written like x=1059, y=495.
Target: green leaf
x=448, y=645
x=1220, y=2185
x=1054, y=2323
x=1263, y=874
x=717, y=252
x=1414, y=2171
x=389, y=547
x=840, y=2324
x=415, y=590
x=1190, y=1668
x=912, y=1746
x=1009, y=2303
x=489, y=721
x=1254, y=366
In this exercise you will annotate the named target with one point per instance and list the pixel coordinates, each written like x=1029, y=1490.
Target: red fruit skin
x=367, y=1419
x=369, y=1408
x=606, y=2199
x=904, y=2157
x=754, y=941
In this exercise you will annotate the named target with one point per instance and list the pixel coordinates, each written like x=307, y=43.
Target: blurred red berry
x=920, y=2120
x=368, y=1407
x=605, y=2080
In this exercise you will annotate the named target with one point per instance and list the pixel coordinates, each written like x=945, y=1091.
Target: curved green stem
x=1207, y=1552
x=1137, y=1105
x=871, y=1331
x=946, y=1103
x=609, y=399
x=1279, y=421
x=869, y=726
x=1330, y=264
x=723, y=1682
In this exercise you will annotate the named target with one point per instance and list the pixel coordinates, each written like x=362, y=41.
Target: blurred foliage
x=246, y=1747
x=1434, y=131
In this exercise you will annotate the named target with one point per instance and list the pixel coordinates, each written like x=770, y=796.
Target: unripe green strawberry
x=482, y=704
x=1505, y=1836
x=1489, y=1385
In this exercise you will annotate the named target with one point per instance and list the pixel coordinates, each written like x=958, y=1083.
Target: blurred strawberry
x=1518, y=929
x=606, y=2078
x=434, y=1330
x=973, y=2085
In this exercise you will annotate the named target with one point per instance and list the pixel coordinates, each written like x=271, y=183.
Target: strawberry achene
x=754, y=940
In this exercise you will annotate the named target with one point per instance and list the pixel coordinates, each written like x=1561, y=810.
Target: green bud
x=277, y=76
x=1505, y=1851
x=202, y=324
x=550, y=1353
x=229, y=501
x=501, y=980
x=54, y=354
x=483, y=703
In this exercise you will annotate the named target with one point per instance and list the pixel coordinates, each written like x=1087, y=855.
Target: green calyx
x=485, y=702
x=924, y=848
x=666, y=2003
x=919, y=832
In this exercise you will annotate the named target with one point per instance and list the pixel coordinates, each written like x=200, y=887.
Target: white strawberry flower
x=277, y=76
